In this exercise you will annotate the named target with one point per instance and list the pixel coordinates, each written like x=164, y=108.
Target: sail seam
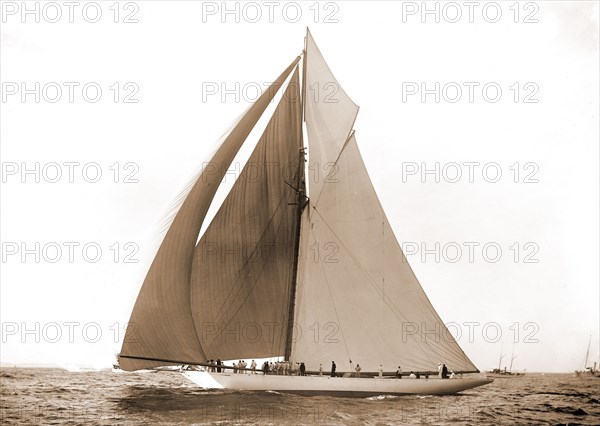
x=273, y=227
x=374, y=285
x=239, y=282
x=455, y=349
x=395, y=310
x=333, y=301
x=334, y=164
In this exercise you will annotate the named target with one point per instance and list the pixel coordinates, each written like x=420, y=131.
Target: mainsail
x=242, y=269
x=334, y=273
x=161, y=330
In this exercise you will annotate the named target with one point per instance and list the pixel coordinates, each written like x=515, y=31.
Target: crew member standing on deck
x=333, y=367
x=380, y=371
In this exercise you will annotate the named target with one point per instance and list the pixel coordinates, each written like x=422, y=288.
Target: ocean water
x=59, y=397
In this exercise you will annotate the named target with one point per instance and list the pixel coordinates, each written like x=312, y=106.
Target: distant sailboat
x=323, y=278
x=586, y=369
x=499, y=372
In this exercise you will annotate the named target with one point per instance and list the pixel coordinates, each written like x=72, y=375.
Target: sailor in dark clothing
x=333, y=369
x=444, y=371
x=218, y=365
x=302, y=369
x=399, y=373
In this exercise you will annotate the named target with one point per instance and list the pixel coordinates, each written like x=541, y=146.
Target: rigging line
x=245, y=264
x=334, y=164
x=455, y=347
x=247, y=261
x=174, y=208
x=274, y=121
x=289, y=142
x=383, y=260
x=374, y=285
x=333, y=301
x=300, y=199
x=244, y=220
x=461, y=353
x=239, y=282
x=238, y=289
x=304, y=63
x=177, y=203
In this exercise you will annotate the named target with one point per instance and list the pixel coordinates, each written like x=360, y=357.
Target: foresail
x=161, y=330
x=242, y=269
x=358, y=298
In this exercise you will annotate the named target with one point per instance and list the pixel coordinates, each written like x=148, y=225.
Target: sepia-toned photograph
x=300, y=212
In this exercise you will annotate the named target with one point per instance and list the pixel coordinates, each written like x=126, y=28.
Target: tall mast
x=301, y=200
x=587, y=354
x=511, y=361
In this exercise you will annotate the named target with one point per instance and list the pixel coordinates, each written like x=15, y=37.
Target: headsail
x=358, y=299
x=161, y=327
x=242, y=270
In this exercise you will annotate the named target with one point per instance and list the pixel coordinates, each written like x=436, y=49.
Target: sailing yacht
x=593, y=371
x=296, y=266
x=499, y=372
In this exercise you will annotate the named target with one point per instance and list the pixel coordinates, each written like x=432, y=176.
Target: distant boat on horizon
x=505, y=373
x=499, y=372
x=588, y=370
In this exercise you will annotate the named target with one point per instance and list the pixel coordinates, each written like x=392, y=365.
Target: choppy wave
x=47, y=396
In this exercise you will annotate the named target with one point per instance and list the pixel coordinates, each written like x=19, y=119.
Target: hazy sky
x=515, y=98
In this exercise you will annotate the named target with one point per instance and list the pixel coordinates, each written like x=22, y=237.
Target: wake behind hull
x=325, y=385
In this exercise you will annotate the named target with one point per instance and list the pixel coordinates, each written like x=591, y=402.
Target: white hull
x=325, y=385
